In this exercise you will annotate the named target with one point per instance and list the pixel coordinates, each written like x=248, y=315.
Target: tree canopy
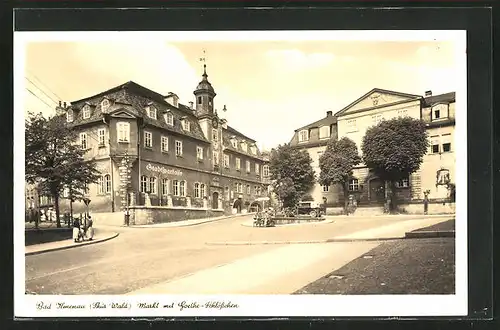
x=395, y=148
x=337, y=163
x=292, y=173
x=53, y=159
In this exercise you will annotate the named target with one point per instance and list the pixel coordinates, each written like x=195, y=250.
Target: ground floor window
x=354, y=185
x=202, y=190
x=144, y=183
x=152, y=185
x=403, y=183
x=164, y=186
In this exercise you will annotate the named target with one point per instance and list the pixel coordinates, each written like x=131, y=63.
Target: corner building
x=436, y=170
x=152, y=150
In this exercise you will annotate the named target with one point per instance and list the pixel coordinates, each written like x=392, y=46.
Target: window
x=238, y=163
x=178, y=148
x=202, y=190
x=240, y=188
x=169, y=118
x=186, y=125
x=104, y=105
x=353, y=185
x=324, y=132
x=265, y=170
x=325, y=188
x=144, y=184
x=216, y=157
x=351, y=126
x=377, y=119
x=248, y=166
x=65, y=193
x=83, y=141
x=234, y=143
x=100, y=186
x=244, y=146
x=148, y=140
x=439, y=111
x=402, y=113
x=86, y=112
x=196, y=190
x=303, y=135
x=182, y=188
x=164, y=186
x=101, y=133
x=215, y=137
x=200, y=100
x=176, y=187
x=164, y=144
x=446, y=141
x=226, y=161
x=199, y=153
x=210, y=101
x=151, y=111
x=69, y=116
x=248, y=189
x=403, y=183
x=107, y=184
x=123, y=130
x=152, y=185
x=435, y=144
x=257, y=169
x=226, y=189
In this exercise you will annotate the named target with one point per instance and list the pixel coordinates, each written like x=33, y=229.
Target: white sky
x=270, y=88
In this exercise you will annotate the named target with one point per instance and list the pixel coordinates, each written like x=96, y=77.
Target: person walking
x=90, y=229
x=76, y=230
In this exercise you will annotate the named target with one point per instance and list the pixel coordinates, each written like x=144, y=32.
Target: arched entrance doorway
x=255, y=207
x=215, y=200
x=237, y=205
x=376, y=190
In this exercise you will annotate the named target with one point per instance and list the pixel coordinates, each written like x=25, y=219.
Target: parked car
x=312, y=208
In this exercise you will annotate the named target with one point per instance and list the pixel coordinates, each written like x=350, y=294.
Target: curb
x=331, y=240
x=159, y=225
x=430, y=234
x=72, y=245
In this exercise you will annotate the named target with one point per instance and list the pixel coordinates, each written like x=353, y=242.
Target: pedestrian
x=426, y=202
x=90, y=229
x=76, y=230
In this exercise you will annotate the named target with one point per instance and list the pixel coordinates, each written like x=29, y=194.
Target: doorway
x=215, y=200
x=237, y=205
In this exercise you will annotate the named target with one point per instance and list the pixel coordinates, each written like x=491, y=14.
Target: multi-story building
x=353, y=121
x=151, y=149
x=313, y=138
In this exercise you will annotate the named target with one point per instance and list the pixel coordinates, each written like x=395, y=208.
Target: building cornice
x=340, y=115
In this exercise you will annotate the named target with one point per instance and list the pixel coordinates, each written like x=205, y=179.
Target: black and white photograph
x=240, y=173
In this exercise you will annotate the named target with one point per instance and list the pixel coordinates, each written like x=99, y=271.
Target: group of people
x=83, y=229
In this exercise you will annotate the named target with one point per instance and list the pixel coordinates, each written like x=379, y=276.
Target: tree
x=291, y=173
x=336, y=165
x=53, y=159
x=394, y=149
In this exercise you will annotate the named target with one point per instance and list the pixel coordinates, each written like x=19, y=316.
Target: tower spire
x=204, y=60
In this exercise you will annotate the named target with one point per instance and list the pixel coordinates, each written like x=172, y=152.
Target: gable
x=377, y=98
x=122, y=114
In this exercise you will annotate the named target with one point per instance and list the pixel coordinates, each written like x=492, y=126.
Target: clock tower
x=204, y=110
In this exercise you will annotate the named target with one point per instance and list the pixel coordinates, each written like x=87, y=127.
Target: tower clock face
x=215, y=122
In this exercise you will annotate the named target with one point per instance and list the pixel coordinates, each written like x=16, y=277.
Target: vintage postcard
x=270, y=173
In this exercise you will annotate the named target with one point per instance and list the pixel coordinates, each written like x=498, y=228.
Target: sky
x=270, y=88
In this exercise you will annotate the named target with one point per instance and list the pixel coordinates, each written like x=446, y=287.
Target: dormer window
x=439, y=111
x=253, y=149
x=151, y=111
x=105, y=105
x=303, y=135
x=169, y=118
x=324, y=132
x=186, y=125
x=234, y=142
x=69, y=116
x=86, y=112
x=244, y=146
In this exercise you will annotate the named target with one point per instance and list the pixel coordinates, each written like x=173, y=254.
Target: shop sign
x=163, y=170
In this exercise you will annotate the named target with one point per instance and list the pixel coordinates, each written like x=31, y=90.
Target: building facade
x=435, y=173
x=153, y=150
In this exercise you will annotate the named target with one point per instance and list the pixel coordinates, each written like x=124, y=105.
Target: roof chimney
x=328, y=113
x=191, y=105
x=428, y=93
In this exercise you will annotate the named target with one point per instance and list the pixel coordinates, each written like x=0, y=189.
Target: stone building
x=437, y=169
x=154, y=151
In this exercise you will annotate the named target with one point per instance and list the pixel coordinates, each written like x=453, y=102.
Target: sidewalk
x=392, y=231
x=192, y=222
x=67, y=244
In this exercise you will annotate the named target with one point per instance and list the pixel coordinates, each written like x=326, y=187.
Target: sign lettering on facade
x=163, y=170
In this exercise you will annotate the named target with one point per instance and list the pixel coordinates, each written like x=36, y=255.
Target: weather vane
x=203, y=59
